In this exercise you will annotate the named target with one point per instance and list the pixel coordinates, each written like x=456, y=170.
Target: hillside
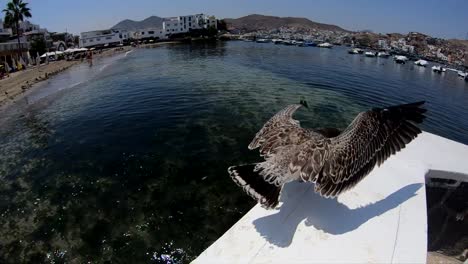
x=150, y=22
x=261, y=22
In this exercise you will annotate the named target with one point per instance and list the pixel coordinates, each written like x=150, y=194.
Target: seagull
x=332, y=159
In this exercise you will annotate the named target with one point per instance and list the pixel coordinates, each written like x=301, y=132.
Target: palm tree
x=15, y=13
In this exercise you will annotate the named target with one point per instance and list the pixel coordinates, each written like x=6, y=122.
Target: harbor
x=305, y=132
x=140, y=154
x=397, y=57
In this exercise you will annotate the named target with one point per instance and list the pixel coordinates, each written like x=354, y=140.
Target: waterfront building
x=5, y=33
x=184, y=24
x=441, y=56
x=408, y=48
x=382, y=44
x=148, y=33
x=102, y=38
x=9, y=47
x=32, y=31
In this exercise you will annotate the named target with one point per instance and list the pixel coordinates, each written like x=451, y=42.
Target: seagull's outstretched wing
x=369, y=140
x=337, y=164
x=280, y=130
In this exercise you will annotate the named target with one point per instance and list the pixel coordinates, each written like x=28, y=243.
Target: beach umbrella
x=14, y=64
x=29, y=58
x=7, y=67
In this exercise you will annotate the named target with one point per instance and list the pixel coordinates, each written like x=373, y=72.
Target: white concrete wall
x=148, y=33
x=382, y=220
x=102, y=37
x=183, y=24
x=173, y=26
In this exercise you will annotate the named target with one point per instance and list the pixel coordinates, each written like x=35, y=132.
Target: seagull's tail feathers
x=254, y=184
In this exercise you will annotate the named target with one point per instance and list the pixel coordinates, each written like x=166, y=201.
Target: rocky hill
x=150, y=22
x=260, y=22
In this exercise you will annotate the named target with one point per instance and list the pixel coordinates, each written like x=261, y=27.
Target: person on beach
x=89, y=57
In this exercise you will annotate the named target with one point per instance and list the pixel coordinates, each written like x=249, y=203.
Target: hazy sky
x=441, y=18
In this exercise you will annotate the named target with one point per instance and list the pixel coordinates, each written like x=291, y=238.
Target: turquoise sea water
x=127, y=161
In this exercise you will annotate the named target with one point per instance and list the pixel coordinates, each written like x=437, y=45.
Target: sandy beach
x=11, y=88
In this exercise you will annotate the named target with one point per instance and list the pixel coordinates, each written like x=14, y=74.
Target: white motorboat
x=383, y=54
x=300, y=43
x=353, y=51
x=369, y=54
x=277, y=41
x=438, y=69
x=462, y=74
x=325, y=45
x=400, y=59
x=262, y=40
x=422, y=63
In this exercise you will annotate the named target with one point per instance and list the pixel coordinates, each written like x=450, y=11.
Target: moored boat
x=438, y=69
x=422, y=63
x=288, y=42
x=400, y=59
x=369, y=54
x=462, y=74
x=300, y=43
x=383, y=54
x=325, y=45
x=310, y=43
x=262, y=40
x=277, y=41
x=353, y=51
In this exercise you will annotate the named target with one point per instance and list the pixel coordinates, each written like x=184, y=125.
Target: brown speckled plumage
x=334, y=161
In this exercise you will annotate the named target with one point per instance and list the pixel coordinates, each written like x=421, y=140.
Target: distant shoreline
x=15, y=87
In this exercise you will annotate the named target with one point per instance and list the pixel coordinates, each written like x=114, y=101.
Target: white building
x=383, y=44
x=155, y=33
x=183, y=24
x=408, y=48
x=103, y=37
x=441, y=56
x=4, y=32
x=402, y=41
x=26, y=26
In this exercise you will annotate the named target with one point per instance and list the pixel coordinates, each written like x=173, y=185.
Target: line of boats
x=291, y=42
x=400, y=59
x=382, y=54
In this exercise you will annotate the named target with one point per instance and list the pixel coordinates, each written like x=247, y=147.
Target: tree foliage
x=222, y=25
x=38, y=45
x=15, y=12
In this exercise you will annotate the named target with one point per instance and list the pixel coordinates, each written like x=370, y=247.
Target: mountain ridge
x=149, y=22
x=256, y=22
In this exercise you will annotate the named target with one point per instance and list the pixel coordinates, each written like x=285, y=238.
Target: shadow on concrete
x=300, y=203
